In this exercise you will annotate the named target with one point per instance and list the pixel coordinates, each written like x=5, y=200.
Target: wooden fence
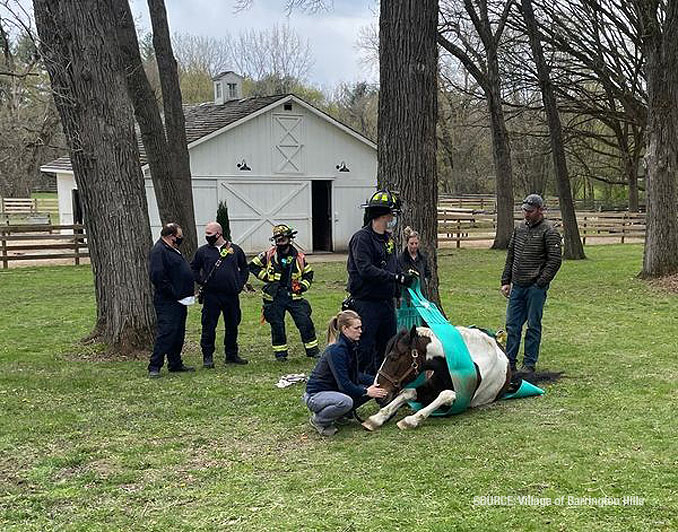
x=42, y=242
x=455, y=225
x=35, y=211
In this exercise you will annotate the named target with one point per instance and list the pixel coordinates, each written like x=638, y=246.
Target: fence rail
x=464, y=225
x=29, y=211
x=42, y=242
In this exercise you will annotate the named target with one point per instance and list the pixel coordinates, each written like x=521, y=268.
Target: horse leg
x=446, y=398
x=377, y=420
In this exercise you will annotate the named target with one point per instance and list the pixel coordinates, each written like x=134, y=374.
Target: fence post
x=76, y=248
x=583, y=240
x=5, y=262
x=623, y=227
x=458, y=233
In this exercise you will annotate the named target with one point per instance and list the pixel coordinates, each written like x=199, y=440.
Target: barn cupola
x=227, y=87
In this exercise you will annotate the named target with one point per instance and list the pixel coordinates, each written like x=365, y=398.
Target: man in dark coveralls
x=172, y=279
x=374, y=278
x=220, y=268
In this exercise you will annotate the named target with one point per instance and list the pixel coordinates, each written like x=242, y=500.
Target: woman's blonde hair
x=344, y=319
x=408, y=233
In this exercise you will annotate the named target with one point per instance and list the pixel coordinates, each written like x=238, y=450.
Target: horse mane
x=399, y=335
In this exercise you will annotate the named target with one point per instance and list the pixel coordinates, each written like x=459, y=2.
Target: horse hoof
x=405, y=424
x=368, y=425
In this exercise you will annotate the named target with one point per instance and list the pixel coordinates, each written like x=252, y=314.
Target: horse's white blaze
x=435, y=347
x=491, y=361
x=445, y=398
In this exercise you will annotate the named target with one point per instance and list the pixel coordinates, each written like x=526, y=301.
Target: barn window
x=287, y=107
x=232, y=90
x=218, y=89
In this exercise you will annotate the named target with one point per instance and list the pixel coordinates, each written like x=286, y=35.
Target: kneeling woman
x=335, y=386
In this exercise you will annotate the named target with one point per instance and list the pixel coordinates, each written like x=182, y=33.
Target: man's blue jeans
x=526, y=303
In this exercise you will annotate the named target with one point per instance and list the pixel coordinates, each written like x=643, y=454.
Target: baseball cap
x=532, y=202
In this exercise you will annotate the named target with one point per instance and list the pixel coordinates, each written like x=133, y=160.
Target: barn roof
x=205, y=119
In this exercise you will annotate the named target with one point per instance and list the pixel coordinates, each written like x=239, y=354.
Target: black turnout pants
x=214, y=305
x=169, y=338
x=300, y=310
x=379, y=326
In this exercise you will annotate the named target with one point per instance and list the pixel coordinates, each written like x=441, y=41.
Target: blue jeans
x=526, y=303
x=328, y=406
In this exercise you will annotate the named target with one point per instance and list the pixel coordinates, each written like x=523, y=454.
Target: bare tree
x=167, y=183
x=573, y=245
x=476, y=29
x=597, y=73
x=29, y=120
x=408, y=107
x=175, y=128
x=88, y=82
x=657, y=22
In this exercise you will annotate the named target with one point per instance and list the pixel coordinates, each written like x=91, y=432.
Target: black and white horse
x=413, y=352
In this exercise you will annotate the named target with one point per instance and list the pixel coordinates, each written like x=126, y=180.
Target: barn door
x=254, y=207
x=287, y=150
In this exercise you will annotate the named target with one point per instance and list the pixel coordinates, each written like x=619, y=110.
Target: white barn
x=273, y=159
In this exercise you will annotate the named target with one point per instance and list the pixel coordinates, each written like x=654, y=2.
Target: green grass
x=92, y=445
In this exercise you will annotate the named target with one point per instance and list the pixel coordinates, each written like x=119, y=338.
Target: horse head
x=404, y=360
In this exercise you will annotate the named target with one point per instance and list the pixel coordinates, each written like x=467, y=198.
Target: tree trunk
x=170, y=202
x=573, y=245
x=660, y=45
x=408, y=108
x=174, y=123
x=89, y=90
x=501, y=152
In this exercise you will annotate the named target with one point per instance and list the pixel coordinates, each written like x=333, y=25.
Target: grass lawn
x=91, y=445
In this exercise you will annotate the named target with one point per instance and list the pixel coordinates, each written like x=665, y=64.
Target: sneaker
x=327, y=431
x=208, y=362
x=527, y=369
x=346, y=419
x=235, y=359
x=153, y=373
x=182, y=369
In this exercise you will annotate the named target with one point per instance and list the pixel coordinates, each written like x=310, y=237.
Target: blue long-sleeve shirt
x=337, y=371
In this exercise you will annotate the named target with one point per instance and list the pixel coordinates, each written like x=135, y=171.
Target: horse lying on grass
x=411, y=353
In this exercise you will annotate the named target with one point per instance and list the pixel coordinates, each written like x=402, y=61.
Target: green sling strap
x=414, y=311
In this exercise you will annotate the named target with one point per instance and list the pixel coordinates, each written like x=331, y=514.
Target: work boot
x=314, y=352
x=235, y=359
x=281, y=356
x=208, y=362
x=153, y=373
x=181, y=369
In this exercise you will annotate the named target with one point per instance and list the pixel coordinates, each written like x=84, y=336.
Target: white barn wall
x=286, y=197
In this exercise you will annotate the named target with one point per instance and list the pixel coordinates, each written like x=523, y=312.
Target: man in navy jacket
x=220, y=268
x=172, y=279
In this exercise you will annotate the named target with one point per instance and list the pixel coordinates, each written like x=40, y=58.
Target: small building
x=273, y=159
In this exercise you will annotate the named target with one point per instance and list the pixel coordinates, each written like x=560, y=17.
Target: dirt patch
x=668, y=283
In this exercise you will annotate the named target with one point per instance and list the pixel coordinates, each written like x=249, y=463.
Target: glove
x=297, y=287
x=404, y=279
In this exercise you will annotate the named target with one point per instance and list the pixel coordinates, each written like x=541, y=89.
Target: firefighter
x=374, y=277
x=286, y=276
